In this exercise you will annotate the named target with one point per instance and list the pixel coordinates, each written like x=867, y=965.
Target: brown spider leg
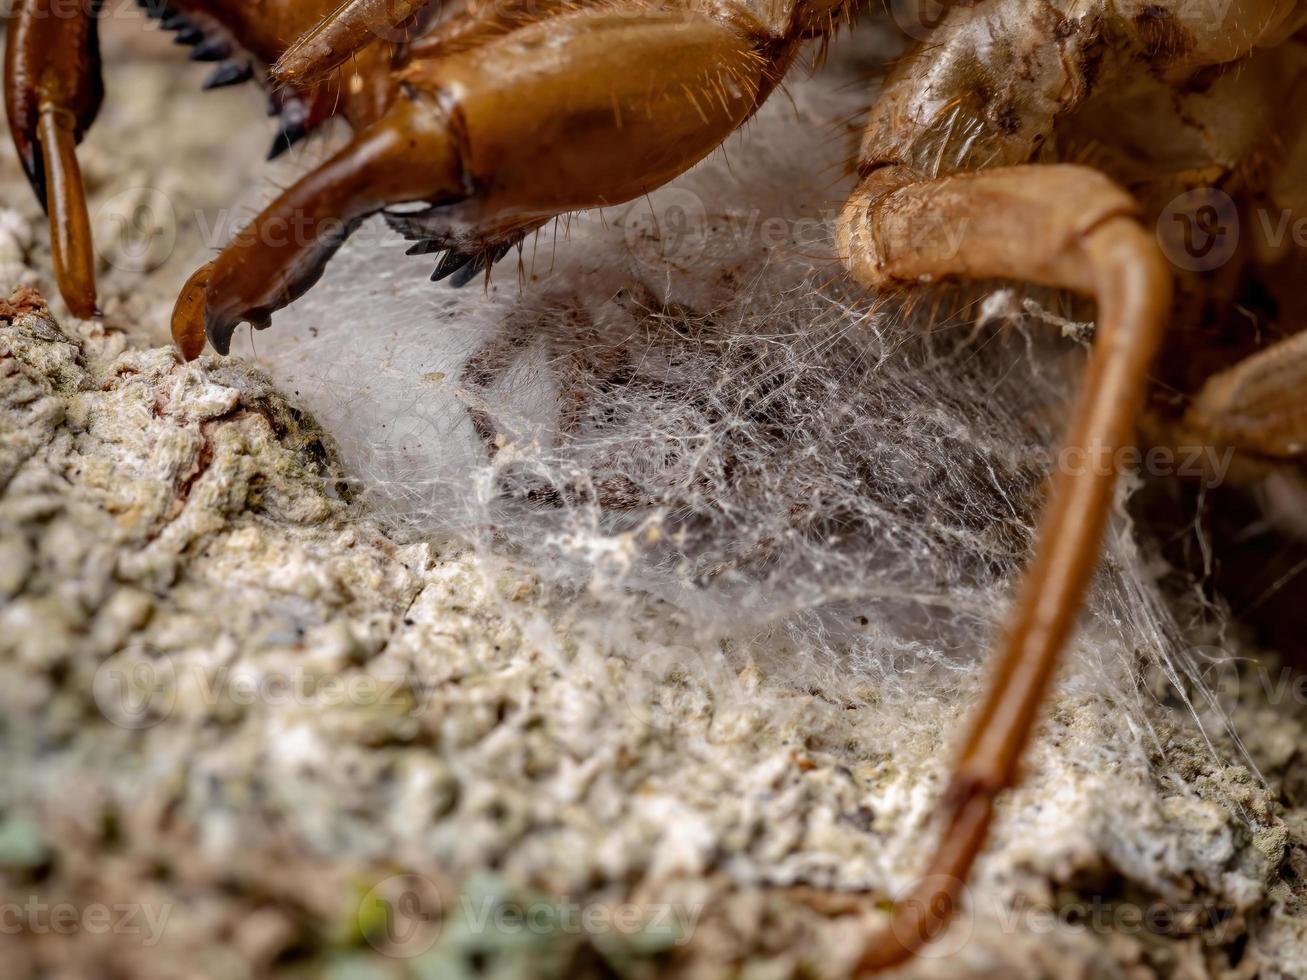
x=53, y=92
x=71, y=245
x=584, y=110
x=284, y=251
x=343, y=33
x=1258, y=406
x=1063, y=226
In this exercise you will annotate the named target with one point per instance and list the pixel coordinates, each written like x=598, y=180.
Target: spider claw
x=479, y=263
x=220, y=327
x=460, y=268
x=219, y=334
x=476, y=264
x=289, y=134
x=188, y=35
x=211, y=49
x=449, y=265
x=229, y=73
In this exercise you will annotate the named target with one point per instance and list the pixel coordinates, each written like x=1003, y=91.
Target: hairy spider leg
x=53, y=92
x=1055, y=225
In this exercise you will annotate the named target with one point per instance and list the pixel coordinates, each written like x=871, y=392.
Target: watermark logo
x=918, y=19
x=931, y=916
x=1221, y=680
x=1199, y=230
x=136, y=689
x=669, y=228
x=136, y=230
x=402, y=916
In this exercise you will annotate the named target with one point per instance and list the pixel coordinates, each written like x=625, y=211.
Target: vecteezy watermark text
x=1094, y=914
x=141, y=687
x=566, y=917
x=36, y=916
x=404, y=915
x=1207, y=464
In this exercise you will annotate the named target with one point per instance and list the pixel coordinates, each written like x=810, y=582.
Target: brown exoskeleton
x=497, y=117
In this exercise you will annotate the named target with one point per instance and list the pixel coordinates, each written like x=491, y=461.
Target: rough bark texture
x=233, y=705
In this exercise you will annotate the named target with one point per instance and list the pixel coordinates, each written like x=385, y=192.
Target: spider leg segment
x=284, y=251
x=584, y=110
x=1063, y=226
x=53, y=91
x=1259, y=406
x=342, y=34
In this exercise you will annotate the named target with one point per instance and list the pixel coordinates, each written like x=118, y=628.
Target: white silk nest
x=720, y=459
